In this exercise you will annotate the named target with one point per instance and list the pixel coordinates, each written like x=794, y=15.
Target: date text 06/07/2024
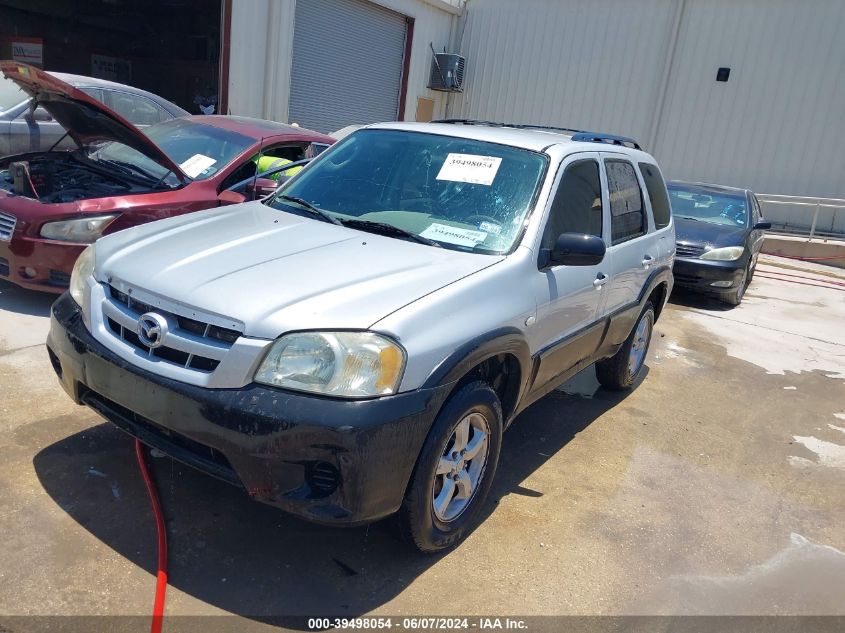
x=420, y=623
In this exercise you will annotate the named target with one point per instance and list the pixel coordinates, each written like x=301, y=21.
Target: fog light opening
x=28, y=272
x=55, y=362
x=323, y=478
x=722, y=284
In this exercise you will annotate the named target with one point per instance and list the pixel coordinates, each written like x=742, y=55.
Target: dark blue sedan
x=718, y=236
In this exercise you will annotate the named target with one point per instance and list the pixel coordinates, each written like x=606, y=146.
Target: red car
x=54, y=203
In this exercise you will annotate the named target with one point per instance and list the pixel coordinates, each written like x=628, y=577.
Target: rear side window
x=656, y=190
x=577, y=204
x=136, y=109
x=626, y=201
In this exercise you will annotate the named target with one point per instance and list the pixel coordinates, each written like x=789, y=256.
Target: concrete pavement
x=714, y=487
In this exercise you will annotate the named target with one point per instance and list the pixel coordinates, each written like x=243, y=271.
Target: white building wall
x=777, y=126
x=261, y=53
x=584, y=64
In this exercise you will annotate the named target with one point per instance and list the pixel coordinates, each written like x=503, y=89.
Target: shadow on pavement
x=691, y=299
x=16, y=299
x=253, y=560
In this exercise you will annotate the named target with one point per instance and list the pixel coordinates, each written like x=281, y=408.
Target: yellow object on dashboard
x=266, y=163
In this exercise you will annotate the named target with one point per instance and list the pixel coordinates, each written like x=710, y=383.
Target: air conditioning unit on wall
x=447, y=72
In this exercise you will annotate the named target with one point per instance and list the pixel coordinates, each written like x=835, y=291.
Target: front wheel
x=621, y=370
x=454, y=471
x=735, y=297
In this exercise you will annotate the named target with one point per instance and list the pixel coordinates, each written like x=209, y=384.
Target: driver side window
x=577, y=206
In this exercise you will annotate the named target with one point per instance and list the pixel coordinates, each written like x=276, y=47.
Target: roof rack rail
x=600, y=137
x=519, y=126
x=577, y=135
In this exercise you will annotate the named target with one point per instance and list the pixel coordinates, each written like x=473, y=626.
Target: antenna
x=258, y=162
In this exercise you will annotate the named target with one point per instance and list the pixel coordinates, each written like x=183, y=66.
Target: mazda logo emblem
x=152, y=329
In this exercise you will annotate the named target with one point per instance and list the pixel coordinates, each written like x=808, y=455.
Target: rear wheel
x=454, y=471
x=620, y=371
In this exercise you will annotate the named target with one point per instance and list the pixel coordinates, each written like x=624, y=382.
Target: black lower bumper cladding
x=700, y=274
x=323, y=459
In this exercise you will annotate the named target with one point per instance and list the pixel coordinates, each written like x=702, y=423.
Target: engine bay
x=61, y=177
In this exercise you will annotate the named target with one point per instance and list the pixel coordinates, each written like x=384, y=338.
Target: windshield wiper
x=328, y=217
x=128, y=168
x=388, y=229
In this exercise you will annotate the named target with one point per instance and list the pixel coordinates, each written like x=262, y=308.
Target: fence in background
x=800, y=215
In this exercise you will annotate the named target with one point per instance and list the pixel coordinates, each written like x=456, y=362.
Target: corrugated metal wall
x=587, y=64
x=262, y=53
x=777, y=126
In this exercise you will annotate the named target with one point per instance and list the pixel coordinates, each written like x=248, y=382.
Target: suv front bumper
x=322, y=459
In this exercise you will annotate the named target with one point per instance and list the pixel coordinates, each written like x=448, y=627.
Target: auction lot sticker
x=197, y=164
x=477, y=170
x=454, y=235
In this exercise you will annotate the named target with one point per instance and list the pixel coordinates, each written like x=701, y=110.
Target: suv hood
x=274, y=271
x=86, y=120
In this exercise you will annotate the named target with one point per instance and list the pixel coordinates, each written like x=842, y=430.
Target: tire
x=735, y=297
x=621, y=370
x=473, y=409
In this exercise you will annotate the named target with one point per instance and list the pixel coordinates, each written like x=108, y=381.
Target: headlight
x=727, y=254
x=85, y=230
x=344, y=364
x=82, y=270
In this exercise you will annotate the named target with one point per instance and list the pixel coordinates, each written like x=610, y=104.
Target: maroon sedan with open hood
x=53, y=203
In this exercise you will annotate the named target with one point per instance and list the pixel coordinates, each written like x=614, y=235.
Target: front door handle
x=648, y=260
x=600, y=280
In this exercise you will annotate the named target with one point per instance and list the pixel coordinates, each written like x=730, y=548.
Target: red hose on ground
x=161, y=576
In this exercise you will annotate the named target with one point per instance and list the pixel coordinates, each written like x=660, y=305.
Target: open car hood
x=86, y=120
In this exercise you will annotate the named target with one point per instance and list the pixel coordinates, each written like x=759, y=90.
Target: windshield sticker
x=477, y=170
x=454, y=235
x=197, y=164
x=490, y=227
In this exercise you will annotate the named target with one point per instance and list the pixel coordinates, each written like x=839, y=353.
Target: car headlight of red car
x=84, y=230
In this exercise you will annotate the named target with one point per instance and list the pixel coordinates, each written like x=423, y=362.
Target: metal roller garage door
x=347, y=64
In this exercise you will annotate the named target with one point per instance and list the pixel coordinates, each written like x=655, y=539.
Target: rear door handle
x=648, y=260
x=600, y=280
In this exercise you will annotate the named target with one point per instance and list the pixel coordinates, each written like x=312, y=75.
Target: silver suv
x=356, y=343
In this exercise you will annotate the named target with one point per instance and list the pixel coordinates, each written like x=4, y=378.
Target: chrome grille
x=7, y=226
x=188, y=343
x=688, y=250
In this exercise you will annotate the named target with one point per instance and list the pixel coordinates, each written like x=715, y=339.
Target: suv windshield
x=708, y=205
x=459, y=193
x=200, y=150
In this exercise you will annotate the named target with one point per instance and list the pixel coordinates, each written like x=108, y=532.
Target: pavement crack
x=9, y=352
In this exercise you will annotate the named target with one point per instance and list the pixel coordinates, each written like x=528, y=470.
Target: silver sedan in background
x=25, y=130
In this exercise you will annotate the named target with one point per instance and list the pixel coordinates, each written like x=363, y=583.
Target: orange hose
x=161, y=575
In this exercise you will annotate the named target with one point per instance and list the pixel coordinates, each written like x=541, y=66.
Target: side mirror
x=262, y=187
x=762, y=226
x=577, y=249
x=230, y=197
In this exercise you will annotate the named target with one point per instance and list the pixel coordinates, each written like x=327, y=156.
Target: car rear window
x=10, y=94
